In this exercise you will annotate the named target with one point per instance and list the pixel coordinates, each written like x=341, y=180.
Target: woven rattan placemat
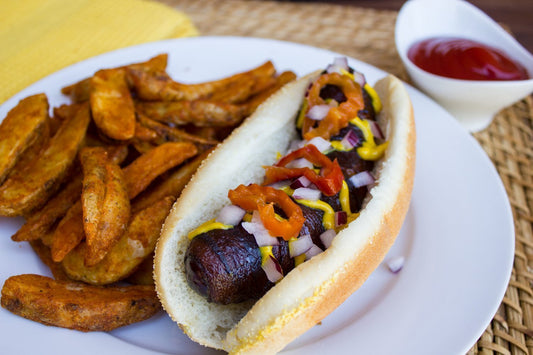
x=368, y=35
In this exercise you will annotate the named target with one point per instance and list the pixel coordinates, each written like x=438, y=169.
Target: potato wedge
x=143, y=170
x=32, y=186
x=105, y=202
x=22, y=126
x=258, y=99
x=111, y=104
x=42, y=221
x=138, y=175
x=78, y=306
x=160, y=87
x=80, y=91
x=43, y=252
x=170, y=185
x=127, y=254
x=201, y=112
x=69, y=232
x=170, y=134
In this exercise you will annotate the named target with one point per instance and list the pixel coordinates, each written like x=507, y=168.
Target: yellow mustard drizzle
x=344, y=197
x=337, y=145
x=299, y=259
x=287, y=189
x=369, y=149
x=328, y=220
x=376, y=102
x=301, y=116
x=207, y=226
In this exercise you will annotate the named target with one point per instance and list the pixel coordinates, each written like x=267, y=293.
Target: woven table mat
x=368, y=35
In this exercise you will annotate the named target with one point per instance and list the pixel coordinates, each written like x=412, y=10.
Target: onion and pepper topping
x=262, y=198
x=314, y=250
x=376, y=130
x=327, y=237
x=337, y=117
x=270, y=265
x=329, y=181
x=341, y=218
x=302, y=181
x=361, y=179
x=321, y=144
x=305, y=193
x=231, y=215
x=350, y=140
x=339, y=63
x=318, y=112
x=300, y=245
x=300, y=163
x=396, y=264
x=258, y=230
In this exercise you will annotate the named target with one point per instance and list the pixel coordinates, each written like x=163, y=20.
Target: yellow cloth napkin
x=39, y=37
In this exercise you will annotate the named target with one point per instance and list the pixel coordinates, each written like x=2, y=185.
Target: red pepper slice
x=262, y=198
x=329, y=181
x=338, y=117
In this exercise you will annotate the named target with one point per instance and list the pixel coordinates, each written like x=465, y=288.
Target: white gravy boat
x=472, y=103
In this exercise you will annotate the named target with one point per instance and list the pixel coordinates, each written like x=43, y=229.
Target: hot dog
x=278, y=310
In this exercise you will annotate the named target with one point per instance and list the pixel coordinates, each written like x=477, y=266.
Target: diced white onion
x=278, y=185
x=320, y=143
x=359, y=78
x=338, y=64
x=376, y=130
x=296, y=144
x=363, y=178
x=300, y=245
x=272, y=269
x=258, y=230
x=314, y=250
x=318, y=112
x=231, y=215
x=327, y=237
x=350, y=140
x=302, y=181
x=300, y=163
x=396, y=264
x=305, y=193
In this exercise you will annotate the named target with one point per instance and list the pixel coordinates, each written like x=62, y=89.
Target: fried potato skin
x=137, y=243
x=171, y=185
x=68, y=233
x=78, y=306
x=148, y=166
x=32, y=186
x=160, y=87
x=42, y=221
x=43, y=252
x=112, y=106
x=22, y=126
x=105, y=202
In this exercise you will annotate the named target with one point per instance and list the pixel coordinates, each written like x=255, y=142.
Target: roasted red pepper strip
x=338, y=117
x=262, y=198
x=329, y=181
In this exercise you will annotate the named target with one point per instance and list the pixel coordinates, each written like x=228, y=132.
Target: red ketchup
x=464, y=59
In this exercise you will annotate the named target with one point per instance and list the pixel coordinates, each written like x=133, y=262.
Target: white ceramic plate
x=457, y=240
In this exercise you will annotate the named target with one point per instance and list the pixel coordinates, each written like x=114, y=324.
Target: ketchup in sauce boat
x=464, y=59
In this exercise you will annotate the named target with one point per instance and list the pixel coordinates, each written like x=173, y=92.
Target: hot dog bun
x=314, y=289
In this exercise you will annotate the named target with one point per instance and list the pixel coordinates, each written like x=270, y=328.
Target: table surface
x=515, y=14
